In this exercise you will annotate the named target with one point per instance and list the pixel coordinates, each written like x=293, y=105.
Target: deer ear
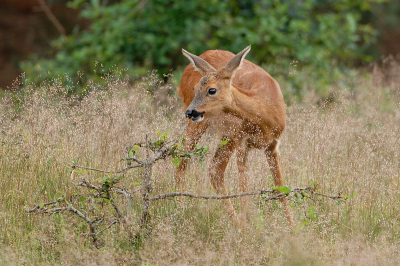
x=228, y=71
x=199, y=64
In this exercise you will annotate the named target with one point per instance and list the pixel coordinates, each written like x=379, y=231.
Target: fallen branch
x=250, y=193
x=107, y=172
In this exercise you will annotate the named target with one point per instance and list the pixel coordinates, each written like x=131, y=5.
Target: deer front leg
x=273, y=162
x=241, y=161
x=217, y=171
x=194, y=131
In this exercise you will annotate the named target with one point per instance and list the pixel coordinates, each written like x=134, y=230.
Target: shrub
x=322, y=37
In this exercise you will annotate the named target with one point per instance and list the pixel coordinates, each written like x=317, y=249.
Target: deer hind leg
x=273, y=162
x=241, y=161
x=194, y=131
x=217, y=171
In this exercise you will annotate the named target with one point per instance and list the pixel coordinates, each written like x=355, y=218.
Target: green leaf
x=82, y=198
x=176, y=161
x=80, y=171
x=282, y=189
x=164, y=136
x=74, y=161
x=312, y=214
x=138, y=183
x=223, y=143
x=41, y=205
x=304, y=223
x=300, y=201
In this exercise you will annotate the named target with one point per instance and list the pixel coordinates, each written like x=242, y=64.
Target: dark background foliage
x=306, y=45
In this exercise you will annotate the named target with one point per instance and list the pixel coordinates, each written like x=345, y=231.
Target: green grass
x=349, y=145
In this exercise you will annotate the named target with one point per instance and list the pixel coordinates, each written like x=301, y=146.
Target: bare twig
x=128, y=197
x=218, y=197
x=85, y=183
x=92, y=223
x=80, y=214
x=37, y=206
x=101, y=231
x=133, y=158
x=52, y=17
x=163, y=152
x=250, y=193
x=107, y=172
x=327, y=196
x=127, y=194
x=120, y=213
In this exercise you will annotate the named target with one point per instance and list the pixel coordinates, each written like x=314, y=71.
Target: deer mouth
x=194, y=115
x=198, y=119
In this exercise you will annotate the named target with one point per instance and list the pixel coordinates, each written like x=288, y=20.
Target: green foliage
x=178, y=153
x=176, y=161
x=133, y=150
x=282, y=189
x=223, y=143
x=132, y=36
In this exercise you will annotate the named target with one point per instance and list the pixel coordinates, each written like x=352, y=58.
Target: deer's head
x=213, y=93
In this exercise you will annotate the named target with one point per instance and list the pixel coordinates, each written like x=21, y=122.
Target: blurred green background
x=307, y=45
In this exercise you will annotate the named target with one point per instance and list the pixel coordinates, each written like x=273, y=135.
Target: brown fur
x=248, y=109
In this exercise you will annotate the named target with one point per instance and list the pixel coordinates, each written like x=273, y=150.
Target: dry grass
x=350, y=145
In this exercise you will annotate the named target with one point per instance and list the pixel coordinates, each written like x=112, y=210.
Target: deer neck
x=245, y=105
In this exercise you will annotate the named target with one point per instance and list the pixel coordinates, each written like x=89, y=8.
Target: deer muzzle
x=194, y=115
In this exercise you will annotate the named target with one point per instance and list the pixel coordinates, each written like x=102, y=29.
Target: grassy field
x=349, y=145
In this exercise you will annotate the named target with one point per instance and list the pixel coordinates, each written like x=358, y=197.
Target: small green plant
x=223, y=143
x=282, y=189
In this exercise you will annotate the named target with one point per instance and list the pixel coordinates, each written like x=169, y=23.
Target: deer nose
x=192, y=114
x=188, y=113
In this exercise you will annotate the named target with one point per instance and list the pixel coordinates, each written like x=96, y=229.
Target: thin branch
x=56, y=210
x=139, y=6
x=101, y=231
x=37, y=206
x=125, y=193
x=52, y=17
x=327, y=196
x=85, y=183
x=80, y=214
x=107, y=172
x=52, y=211
x=134, y=159
x=163, y=152
x=128, y=197
x=120, y=213
x=219, y=197
x=250, y=193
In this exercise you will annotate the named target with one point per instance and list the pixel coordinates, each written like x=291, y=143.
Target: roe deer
x=245, y=103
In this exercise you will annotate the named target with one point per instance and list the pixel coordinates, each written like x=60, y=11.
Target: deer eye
x=212, y=91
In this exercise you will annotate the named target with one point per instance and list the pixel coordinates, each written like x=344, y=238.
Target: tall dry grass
x=350, y=144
